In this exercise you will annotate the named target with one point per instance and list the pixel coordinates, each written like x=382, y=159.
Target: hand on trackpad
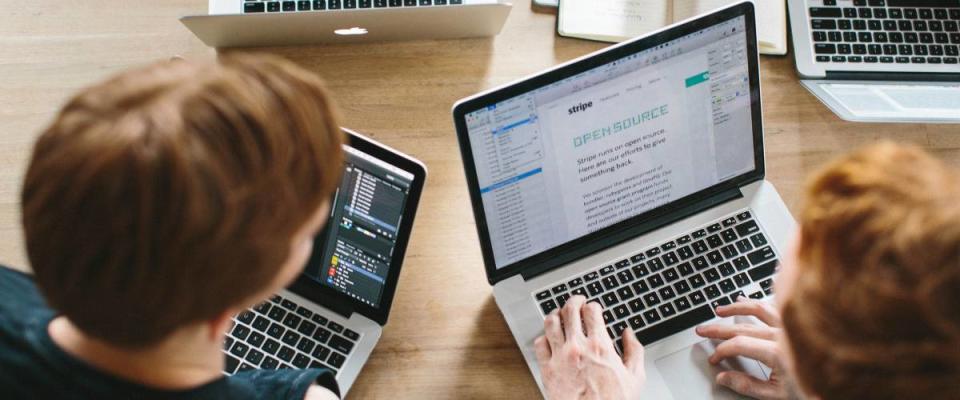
x=689, y=374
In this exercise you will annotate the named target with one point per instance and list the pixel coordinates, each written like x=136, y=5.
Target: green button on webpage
x=698, y=78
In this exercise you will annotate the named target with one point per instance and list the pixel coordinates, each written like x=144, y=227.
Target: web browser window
x=594, y=149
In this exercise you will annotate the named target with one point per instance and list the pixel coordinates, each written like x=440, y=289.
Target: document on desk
x=620, y=20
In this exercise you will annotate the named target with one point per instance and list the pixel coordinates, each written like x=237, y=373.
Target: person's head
x=176, y=194
x=870, y=294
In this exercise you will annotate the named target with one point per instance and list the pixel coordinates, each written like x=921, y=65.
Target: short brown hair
x=876, y=309
x=168, y=194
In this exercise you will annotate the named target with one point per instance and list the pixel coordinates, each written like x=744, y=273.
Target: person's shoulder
x=19, y=297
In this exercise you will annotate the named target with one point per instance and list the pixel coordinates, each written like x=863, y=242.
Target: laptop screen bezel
x=330, y=298
x=559, y=255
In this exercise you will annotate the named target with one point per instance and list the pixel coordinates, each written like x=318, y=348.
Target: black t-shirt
x=33, y=366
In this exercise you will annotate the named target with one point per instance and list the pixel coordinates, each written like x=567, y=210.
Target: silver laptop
x=250, y=23
x=880, y=60
x=633, y=176
x=333, y=314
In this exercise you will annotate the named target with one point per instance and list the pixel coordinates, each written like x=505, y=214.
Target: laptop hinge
x=306, y=288
x=893, y=76
x=652, y=224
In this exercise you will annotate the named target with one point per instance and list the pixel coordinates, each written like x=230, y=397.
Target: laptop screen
x=354, y=252
x=580, y=154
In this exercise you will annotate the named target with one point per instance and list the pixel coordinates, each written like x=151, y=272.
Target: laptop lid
x=579, y=158
x=356, y=259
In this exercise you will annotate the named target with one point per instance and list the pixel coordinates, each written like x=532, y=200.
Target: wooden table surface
x=445, y=337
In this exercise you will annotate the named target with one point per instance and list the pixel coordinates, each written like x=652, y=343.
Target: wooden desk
x=445, y=338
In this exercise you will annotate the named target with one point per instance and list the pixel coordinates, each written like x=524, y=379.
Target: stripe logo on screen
x=579, y=107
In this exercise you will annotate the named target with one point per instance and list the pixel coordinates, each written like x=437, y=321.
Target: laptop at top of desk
x=246, y=23
x=880, y=60
x=633, y=176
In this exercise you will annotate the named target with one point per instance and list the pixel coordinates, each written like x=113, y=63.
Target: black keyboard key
x=744, y=216
x=301, y=361
x=336, y=360
x=306, y=328
x=576, y=282
x=240, y=331
x=640, y=271
x=351, y=335
x=714, y=241
x=306, y=345
x=254, y=357
x=712, y=275
x=321, y=335
x=319, y=5
x=543, y=295
x=714, y=257
x=700, y=247
x=655, y=265
x=744, y=245
x=579, y=292
x=651, y=316
x=766, y=283
x=340, y=344
x=714, y=228
x=594, y=288
x=252, y=8
x=262, y=308
x=625, y=293
x=275, y=330
x=591, y=276
x=610, y=282
x=741, y=280
x=674, y=325
x=685, y=269
x=639, y=287
x=671, y=275
x=723, y=301
x=762, y=255
x=292, y=321
x=763, y=271
x=231, y=364
x=823, y=24
x=320, y=353
x=607, y=270
x=736, y=296
x=239, y=349
x=269, y=363
x=756, y=295
x=622, y=264
x=256, y=339
x=277, y=314
x=286, y=353
x=625, y=276
x=667, y=293
x=741, y=263
x=682, y=304
x=685, y=253
x=747, y=228
x=559, y=288
x=667, y=310
x=621, y=311
x=729, y=251
x=609, y=299
x=291, y=338
x=638, y=258
x=697, y=298
x=653, y=252
x=685, y=239
x=726, y=269
x=825, y=12
x=246, y=317
x=273, y=6
x=548, y=306
x=727, y=285
x=681, y=287
x=271, y=346
x=636, y=305
x=670, y=259
x=728, y=235
x=655, y=281
x=335, y=327
x=636, y=322
x=608, y=317
x=697, y=281
x=712, y=292
x=700, y=263
x=651, y=299
x=289, y=6
x=303, y=5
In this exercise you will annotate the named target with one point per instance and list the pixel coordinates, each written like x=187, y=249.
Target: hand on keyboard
x=758, y=342
x=577, y=358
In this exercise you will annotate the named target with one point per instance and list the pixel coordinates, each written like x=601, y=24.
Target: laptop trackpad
x=689, y=375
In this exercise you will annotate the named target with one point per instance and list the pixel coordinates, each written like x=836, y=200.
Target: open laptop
x=633, y=176
x=880, y=60
x=333, y=314
x=249, y=23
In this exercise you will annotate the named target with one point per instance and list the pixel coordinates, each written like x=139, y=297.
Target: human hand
x=752, y=341
x=577, y=358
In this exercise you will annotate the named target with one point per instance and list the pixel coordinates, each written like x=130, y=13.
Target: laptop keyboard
x=677, y=284
x=282, y=334
x=886, y=31
x=259, y=6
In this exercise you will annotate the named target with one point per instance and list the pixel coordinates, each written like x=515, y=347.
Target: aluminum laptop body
x=633, y=176
x=880, y=60
x=332, y=316
x=228, y=26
